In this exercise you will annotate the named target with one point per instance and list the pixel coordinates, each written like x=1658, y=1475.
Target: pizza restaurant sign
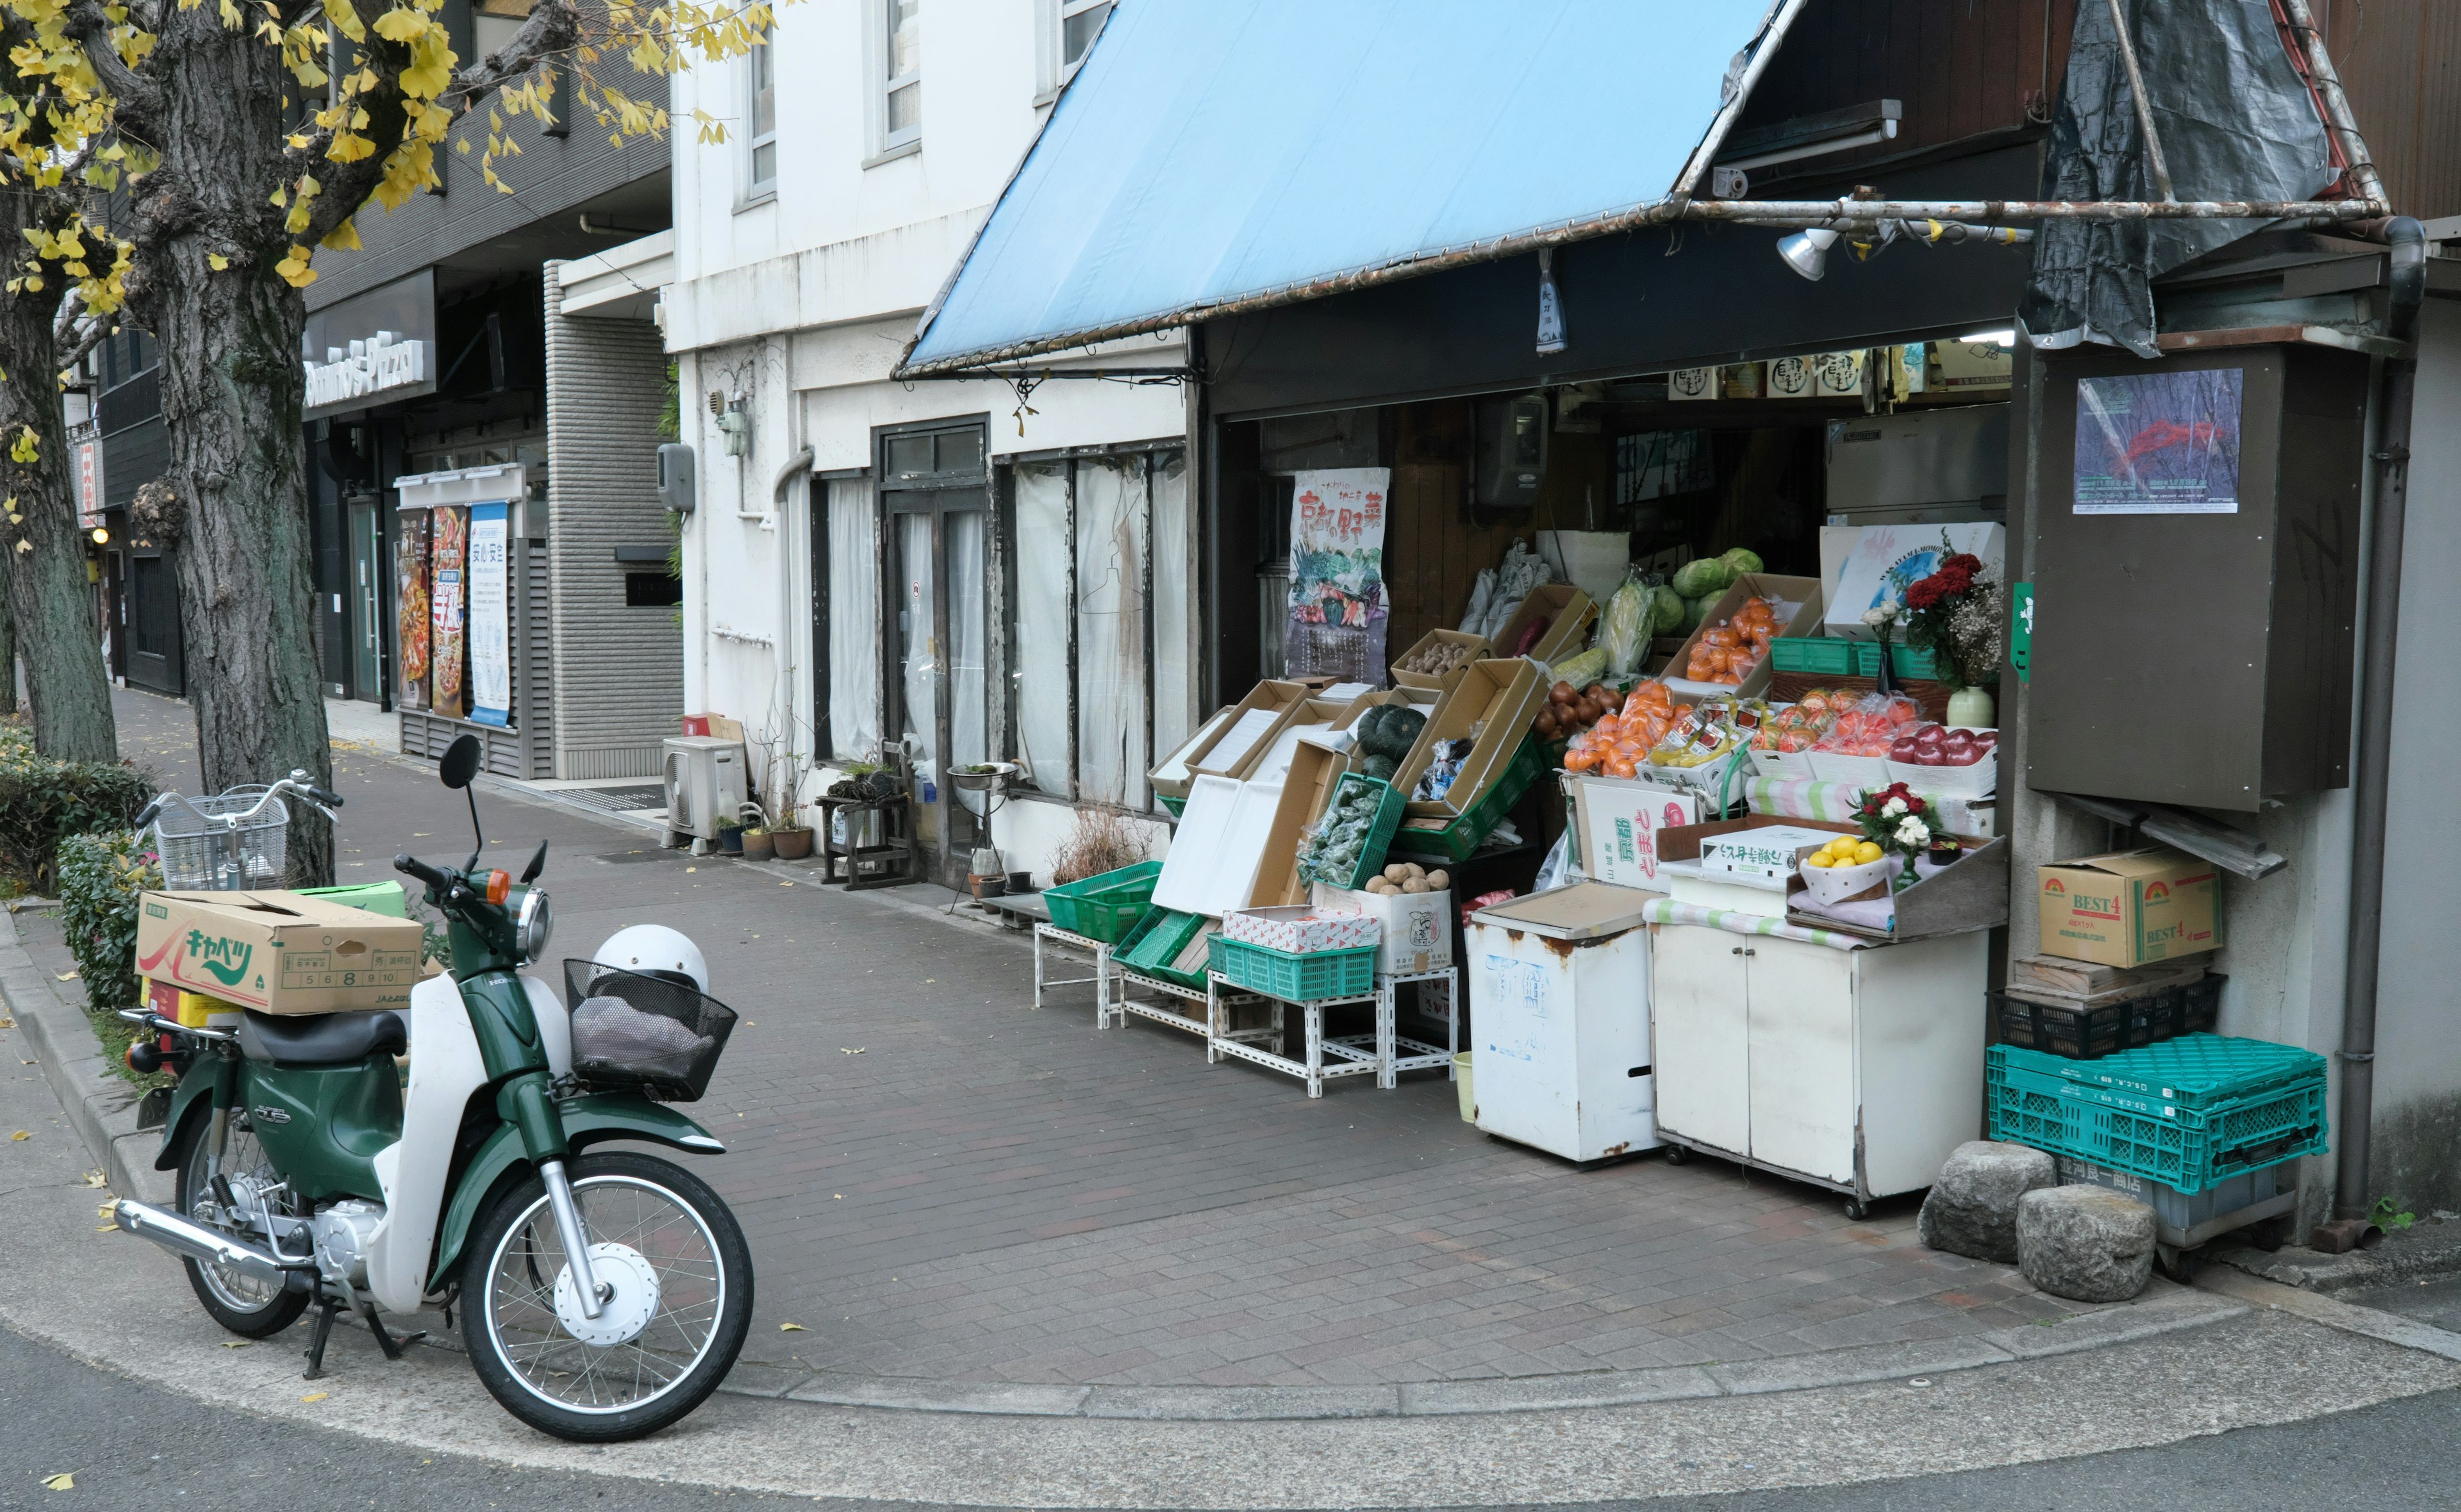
x=383, y=362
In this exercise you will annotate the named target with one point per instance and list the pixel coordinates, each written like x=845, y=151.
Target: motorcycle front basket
x=630, y=1030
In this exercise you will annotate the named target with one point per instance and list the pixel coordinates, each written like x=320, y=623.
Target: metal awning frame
x=1849, y=215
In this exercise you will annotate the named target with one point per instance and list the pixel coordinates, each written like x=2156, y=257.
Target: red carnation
x=1925, y=595
x=1965, y=562
x=1952, y=581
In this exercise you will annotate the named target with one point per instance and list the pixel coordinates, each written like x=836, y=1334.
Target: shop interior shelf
x=1101, y=908
x=1295, y=976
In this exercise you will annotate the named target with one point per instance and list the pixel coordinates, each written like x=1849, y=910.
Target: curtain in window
x=918, y=651
x=969, y=716
x=1111, y=757
x=854, y=620
x=1174, y=612
x=1039, y=639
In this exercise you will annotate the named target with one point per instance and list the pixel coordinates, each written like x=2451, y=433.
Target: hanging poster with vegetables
x=410, y=606
x=1338, y=608
x=491, y=638
x=448, y=559
x=2159, y=443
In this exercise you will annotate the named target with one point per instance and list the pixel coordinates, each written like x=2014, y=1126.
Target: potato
x=1440, y=880
x=1414, y=870
x=1415, y=884
x=1397, y=873
x=1379, y=886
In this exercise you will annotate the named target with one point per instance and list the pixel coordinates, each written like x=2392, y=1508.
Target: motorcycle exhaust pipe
x=196, y=1242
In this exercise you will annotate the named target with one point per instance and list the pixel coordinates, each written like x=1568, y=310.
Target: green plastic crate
x=2191, y=1070
x=1820, y=656
x=1154, y=941
x=1104, y=906
x=376, y=897
x=1176, y=805
x=1389, y=805
x=1456, y=841
x=2193, y=1150
x=1297, y=977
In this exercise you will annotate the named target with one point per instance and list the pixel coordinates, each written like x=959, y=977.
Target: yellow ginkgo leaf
x=21, y=1134
x=60, y=1482
x=217, y=261
x=315, y=1396
x=790, y=1327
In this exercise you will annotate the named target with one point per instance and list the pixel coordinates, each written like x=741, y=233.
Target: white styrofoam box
x=1417, y=926
x=1860, y=771
x=1560, y=1055
x=1687, y=882
x=1857, y=564
x=1219, y=843
x=1982, y=779
x=1619, y=820
x=1301, y=928
x=1787, y=764
x=1766, y=854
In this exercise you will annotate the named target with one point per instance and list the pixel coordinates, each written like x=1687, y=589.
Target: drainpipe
x=2349, y=1228
x=782, y=654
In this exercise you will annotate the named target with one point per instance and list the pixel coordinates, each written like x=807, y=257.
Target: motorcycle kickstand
x=316, y=1340
x=391, y=1346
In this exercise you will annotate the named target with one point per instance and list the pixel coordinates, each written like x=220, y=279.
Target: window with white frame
x=901, y=79
x=760, y=117
x=1065, y=30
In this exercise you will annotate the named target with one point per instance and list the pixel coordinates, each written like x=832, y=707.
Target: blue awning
x=1218, y=154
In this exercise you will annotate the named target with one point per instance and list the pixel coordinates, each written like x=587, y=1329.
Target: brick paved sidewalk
x=941, y=1183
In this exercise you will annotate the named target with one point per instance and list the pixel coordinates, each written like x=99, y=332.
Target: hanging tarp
x=2235, y=122
x=1212, y=154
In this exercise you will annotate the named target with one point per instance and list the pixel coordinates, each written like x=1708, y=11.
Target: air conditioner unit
x=704, y=783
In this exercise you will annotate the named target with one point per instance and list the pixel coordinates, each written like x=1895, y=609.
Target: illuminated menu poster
x=491, y=651
x=448, y=564
x=410, y=606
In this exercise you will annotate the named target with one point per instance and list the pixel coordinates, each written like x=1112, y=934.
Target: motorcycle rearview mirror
x=538, y=864
x=460, y=764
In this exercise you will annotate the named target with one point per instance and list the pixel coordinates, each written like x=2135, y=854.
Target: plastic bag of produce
x=1623, y=630
x=1871, y=725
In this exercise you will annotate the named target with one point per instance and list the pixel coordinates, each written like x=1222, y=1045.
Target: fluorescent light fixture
x=1999, y=338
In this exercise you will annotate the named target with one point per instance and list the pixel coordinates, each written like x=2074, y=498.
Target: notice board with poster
x=413, y=614
x=1338, y=611
x=448, y=554
x=2159, y=443
x=490, y=614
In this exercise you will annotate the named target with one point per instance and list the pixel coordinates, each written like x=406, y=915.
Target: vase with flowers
x=1903, y=823
x=1958, y=615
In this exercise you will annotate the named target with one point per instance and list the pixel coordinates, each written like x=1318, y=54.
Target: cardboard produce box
x=1254, y=724
x=1306, y=789
x=1615, y=822
x=1493, y=707
x=277, y=952
x=1862, y=564
x=2130, y=908
x=1300, y=928
x=1568, y=613
x=1804, y=592
x=1474, y=645
x=1418, y=926
x=1171, y=777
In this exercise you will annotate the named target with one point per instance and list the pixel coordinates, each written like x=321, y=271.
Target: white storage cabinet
x=1856, y=1070
x=1559, y=1014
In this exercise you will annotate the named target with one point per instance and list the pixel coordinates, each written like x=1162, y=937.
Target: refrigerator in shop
x=1559, y=1010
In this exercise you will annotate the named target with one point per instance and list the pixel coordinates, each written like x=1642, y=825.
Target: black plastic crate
x=2075, y=1032
x=2187, y=1008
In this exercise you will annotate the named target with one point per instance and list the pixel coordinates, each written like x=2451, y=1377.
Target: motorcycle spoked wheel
x=244, y=1305
x=682, y=1307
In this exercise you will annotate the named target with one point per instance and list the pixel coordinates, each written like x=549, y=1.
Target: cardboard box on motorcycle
x=278, y=952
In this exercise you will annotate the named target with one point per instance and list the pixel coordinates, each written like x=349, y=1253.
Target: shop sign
x=2021, y=630
x=1974, y=365
x=89, y=484
x=1790, y=378
x=491, y=656
x=1838, y=374
x=370, y=348
x=1338, y=606
x=1742, y=380
x=1692, y=383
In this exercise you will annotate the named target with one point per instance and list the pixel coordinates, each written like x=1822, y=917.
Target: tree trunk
x=48, y=595
x=7, y=659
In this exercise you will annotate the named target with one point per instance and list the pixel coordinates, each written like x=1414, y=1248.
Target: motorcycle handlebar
x=412, y=867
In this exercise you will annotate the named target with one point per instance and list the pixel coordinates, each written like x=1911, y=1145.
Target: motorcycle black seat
x=320, y=1039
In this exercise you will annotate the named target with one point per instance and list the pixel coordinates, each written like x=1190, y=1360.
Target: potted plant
x=783, y=769
x=756, y=842
x=1959, y=617
x=729, y=838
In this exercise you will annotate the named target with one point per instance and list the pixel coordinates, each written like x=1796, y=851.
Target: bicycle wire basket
x=630, y=1030
x=195, y=844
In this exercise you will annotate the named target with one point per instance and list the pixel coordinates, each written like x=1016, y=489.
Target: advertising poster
x=491, y=637
x=1338, y=608
x=410, y=625
x=2159, y=443
x=448, y=557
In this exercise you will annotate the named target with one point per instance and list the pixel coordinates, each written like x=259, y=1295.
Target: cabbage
x=1705, y=578
x=1623, y=633
x=1665, y=612
x=1694, y=610
x=1743, y=558
x=1582, y=670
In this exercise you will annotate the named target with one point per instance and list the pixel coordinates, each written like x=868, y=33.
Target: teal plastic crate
x=1389, y=804
x=1176, y=805
x=1456, y=841
x=1105, y=906
x=2190, y=1071
x=376, y=897
x=1820, y=656
x=2193, y=1150
x=1155, y=941
x=1297, y=977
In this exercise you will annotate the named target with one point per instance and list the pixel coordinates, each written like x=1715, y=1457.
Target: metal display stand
x=1103, y=971
x=1354, y=1055
x=1216, y=1022
x=888, y=864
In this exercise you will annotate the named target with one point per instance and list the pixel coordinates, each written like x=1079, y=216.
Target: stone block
x=2084, y=1243
x=1972, y=1207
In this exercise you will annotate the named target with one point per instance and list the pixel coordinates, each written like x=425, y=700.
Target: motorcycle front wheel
x=679, y=1276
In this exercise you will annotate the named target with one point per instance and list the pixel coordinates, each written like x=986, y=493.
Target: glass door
x=367, y=602
x=938, y=504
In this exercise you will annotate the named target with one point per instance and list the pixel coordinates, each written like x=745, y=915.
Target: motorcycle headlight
x=533, y=925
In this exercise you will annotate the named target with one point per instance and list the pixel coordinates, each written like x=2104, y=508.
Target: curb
x=101, y=1106
x=2416, y=1254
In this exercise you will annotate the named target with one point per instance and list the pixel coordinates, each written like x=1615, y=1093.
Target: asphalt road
x=132, y=1445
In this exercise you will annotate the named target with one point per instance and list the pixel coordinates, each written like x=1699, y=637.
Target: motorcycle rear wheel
x=668, y=1225
x=244, y=1305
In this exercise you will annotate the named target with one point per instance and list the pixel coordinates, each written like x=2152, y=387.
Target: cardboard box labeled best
x=277, y=952
x=2130, y=908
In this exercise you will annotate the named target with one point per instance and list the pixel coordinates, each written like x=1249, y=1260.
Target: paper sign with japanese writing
x=1338, y=608
x=2159, y=443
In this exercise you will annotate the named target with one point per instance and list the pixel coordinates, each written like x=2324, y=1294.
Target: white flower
x=1882, y=613
x=1914, y=833
x=1893, y=808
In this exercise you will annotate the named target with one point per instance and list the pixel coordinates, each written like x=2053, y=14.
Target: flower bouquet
x=1903, y=823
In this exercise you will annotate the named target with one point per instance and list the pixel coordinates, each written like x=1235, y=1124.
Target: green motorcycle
x=602, y=1294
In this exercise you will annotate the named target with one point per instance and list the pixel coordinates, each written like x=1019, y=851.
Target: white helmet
x=654, y=950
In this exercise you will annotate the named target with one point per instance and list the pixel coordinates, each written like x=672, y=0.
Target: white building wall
x=802, y=301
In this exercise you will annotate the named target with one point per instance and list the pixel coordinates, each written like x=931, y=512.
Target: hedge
x=43, y=801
